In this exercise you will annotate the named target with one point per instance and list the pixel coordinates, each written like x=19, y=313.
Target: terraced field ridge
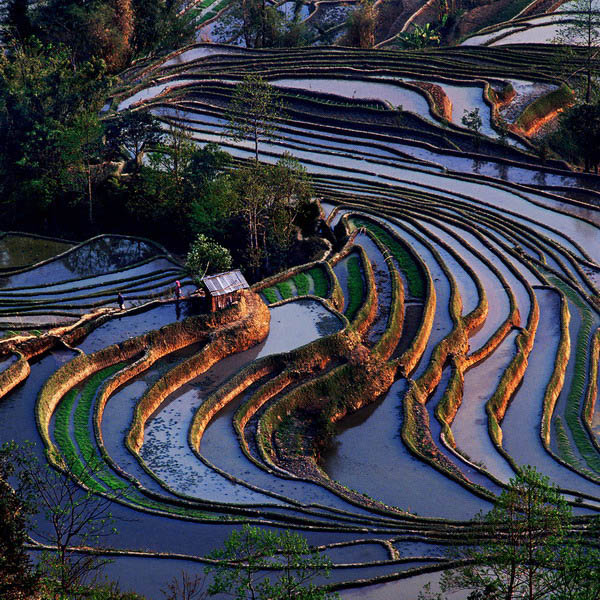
x=375, y=399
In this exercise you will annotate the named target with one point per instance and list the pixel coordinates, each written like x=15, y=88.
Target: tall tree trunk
x=256, y=144
x=263, y=19
x=90, y=203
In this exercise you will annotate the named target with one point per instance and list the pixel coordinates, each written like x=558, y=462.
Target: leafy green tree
x=254, y=107
x=250, y=555
x=526, y=550
x=82, y=150
x=578, y=135
x=162, y=25
x=209, y=186
x=206, y=256
x=134, y=132
x=425, y=36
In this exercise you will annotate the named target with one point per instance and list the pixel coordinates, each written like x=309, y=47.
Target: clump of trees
x=110, y=30
x=55, y=74
x=578, y=135
x=65, y=170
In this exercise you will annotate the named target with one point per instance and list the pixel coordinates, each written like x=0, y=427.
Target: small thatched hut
x=223, y=289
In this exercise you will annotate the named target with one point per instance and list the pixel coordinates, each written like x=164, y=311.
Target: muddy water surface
x=370, y=457
x=470, y=425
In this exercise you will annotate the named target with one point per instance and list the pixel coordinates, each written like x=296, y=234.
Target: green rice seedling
x=574, y=399
x=271, y=295
x=356, y=287
x=61, y=430
x=564, y=445
x=321, y=285
x=302, y=283
x=285, y=289
x=83, y=431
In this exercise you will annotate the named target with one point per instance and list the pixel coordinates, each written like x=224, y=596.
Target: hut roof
x=225, y=283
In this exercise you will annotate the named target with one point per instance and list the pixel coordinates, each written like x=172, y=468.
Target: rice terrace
x=399, y=201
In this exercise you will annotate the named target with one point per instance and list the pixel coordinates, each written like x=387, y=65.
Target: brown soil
x=442, y=103
x=479, y=17
x=392, y=16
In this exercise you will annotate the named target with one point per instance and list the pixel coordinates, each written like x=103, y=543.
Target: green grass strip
x=564, y=445
x=271, y=295
x=320, y=280
x=356, y=286
x=285, y=289
x=84, y=431
x=62, y=418
x=411, y=270
x=302, y=283
x=578, y=387
x=544, y=105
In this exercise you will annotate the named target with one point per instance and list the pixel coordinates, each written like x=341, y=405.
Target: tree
x=243, y=566
x=361, y=25
x=17, y=577
x=133, y=131
x=100, y=29
x=186, y=587
x=71, y=516
x=472, y=120
x=425, y=36
x=174, y=153
x=206, y=256
x=254, y=107
x=525, y=549
x=162, y=25
x=261, y=25
x=269, y=200
x=81, y=148
x=290, y=189
x=578, y=135
x=582, y=29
